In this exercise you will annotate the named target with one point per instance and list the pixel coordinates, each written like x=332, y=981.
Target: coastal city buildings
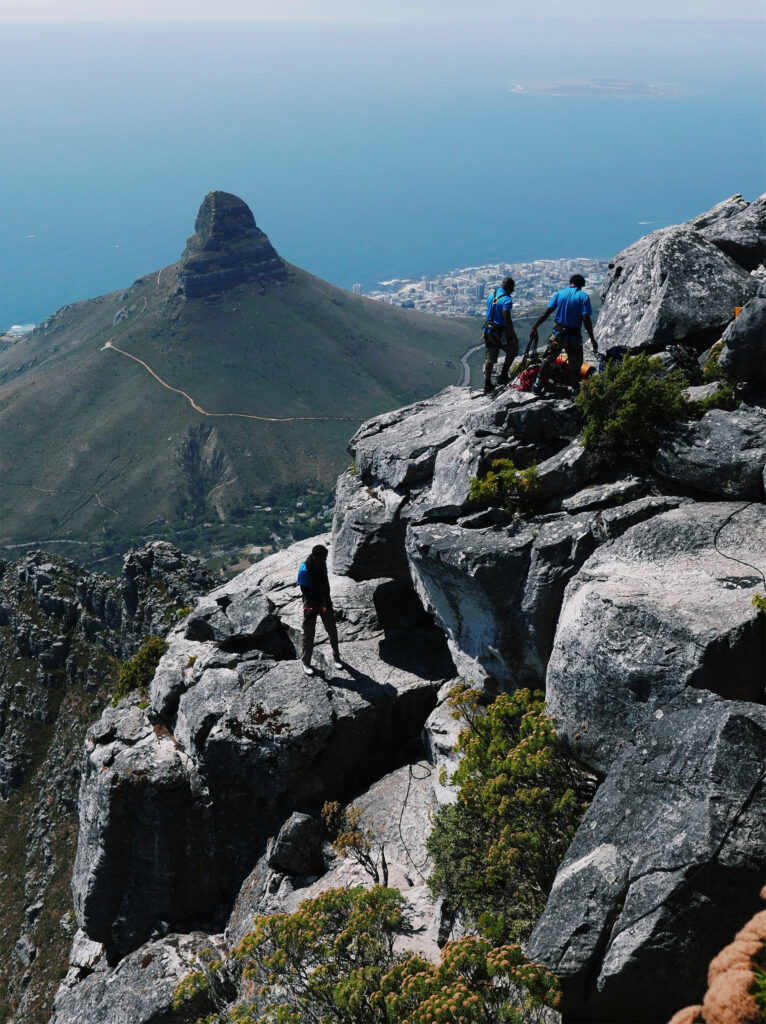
x=463, y=292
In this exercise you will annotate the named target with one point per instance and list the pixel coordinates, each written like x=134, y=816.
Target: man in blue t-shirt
x=499, y=333
x=573, y=311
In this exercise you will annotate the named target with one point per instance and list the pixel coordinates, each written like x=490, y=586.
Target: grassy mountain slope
x=93, y=446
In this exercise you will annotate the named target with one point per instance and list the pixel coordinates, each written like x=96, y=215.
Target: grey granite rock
x=602, y=495
x=743, y=356
x=296, y=850
x=368, y=531
x=400, y=448
x=666, y=865
x=659, y=610
x=723, y=454
x=139, y=990
x=526, y=416
x=671, y=287
x=394, y=808
x=224, y=618
x=741, y=234
x=567, y=471
x=495, y=590
x=163, y=836
x=468, y=456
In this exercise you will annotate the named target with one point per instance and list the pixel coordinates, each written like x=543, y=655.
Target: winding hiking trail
x=237, y=415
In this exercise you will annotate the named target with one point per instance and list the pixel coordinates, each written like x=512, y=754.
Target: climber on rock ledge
x=315, y=590
x=573, y=311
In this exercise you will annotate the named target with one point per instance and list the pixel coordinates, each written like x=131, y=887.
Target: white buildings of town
x=463, y=292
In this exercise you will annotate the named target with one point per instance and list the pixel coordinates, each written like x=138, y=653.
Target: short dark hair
x=507, y=283
x=319, y=551
x=577, y=280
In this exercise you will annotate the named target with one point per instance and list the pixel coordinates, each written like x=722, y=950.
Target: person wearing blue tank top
x=572, y=312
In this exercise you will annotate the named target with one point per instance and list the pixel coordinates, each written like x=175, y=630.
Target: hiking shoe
x=502, y=379
x=307, y=669
x=337, y=663
x=489, y=388
x=538, y=388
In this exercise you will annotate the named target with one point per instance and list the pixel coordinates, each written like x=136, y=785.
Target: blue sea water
x=365, y=151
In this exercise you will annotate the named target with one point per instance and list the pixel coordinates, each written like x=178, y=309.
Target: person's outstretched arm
x=540, y=320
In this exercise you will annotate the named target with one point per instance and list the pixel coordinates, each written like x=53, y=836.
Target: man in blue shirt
x=499, y=333
x=573, y=311
x=315, y=590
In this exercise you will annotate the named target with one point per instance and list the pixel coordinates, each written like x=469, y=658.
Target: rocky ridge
x=63, y=634
x=628, y=596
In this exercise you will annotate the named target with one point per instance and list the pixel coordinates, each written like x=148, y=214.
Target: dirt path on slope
x=237, y=415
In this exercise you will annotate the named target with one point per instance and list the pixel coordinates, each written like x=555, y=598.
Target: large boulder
x=743, y=356
x=660, y=609
x=723, y=454
x=393, y=810
x=139, y=990
x=667, y=863
x=497, y=590
x=400, y=448
x=163, y=840
x=740, y=233
x=671, y=287
x=368, y=530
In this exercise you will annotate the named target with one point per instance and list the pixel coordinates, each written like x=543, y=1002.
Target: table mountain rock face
x=201, y=809
x=743, y=356
x=227, y=249
x=669, y=856
x=724, y=454
x=659, y=610
x=672, y=287
x=737, y=230
x=233, y=723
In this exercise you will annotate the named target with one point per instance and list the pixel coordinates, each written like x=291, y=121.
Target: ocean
x=365, y=151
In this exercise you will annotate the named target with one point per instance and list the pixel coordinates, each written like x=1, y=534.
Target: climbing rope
x=731, y=558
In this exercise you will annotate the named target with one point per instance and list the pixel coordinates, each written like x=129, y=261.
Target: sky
x=368, y=10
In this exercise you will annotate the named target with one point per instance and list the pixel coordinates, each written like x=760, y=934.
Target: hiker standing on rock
x=499, y=332
x=573, y=310
x=315, y=590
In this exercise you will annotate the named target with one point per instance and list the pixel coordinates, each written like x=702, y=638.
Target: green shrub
x=625, y=407
x=724, y=398
x=520, y=799
x=759, y=602
x=505, y=486
x=137, y=672
x=181, y=613
x=333, y=961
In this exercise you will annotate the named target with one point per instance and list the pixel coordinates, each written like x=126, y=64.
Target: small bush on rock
x=353, y=836
x=625, y=407
x=333, y=961
x=504, y=485
x=724, y=398
x=137, y=672
x=520, y=799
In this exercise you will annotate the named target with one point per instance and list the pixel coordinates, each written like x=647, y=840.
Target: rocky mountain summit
x=227, y=249
x=626, y=593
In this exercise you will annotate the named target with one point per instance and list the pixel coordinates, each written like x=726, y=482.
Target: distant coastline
x=588, y=88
